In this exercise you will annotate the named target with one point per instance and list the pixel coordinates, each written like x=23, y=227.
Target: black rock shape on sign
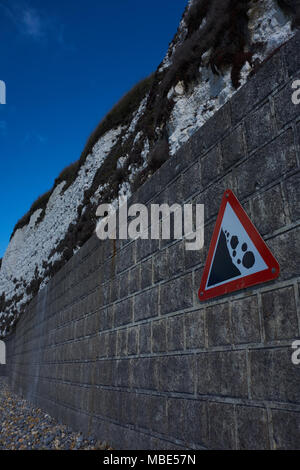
x=223, y=267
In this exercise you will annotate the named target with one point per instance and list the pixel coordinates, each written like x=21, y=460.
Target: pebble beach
x=23, y=427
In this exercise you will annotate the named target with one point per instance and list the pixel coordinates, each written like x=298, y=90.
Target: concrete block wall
x=118, y=343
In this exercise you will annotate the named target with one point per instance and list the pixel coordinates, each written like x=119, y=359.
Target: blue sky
x=65, y=63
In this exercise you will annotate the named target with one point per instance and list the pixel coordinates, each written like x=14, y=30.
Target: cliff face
x=218, y=45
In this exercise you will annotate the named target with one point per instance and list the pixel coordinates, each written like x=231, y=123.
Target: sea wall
x=118, y=344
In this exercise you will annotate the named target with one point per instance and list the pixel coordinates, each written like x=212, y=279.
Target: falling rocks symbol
x=238, y=256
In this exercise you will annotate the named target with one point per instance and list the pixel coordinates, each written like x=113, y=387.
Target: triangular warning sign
x=238, y=257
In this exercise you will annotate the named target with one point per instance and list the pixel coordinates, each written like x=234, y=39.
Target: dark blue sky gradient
x=65, y=64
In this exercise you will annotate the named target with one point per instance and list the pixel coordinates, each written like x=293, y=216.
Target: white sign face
x=238, y=257
x=235, y=255
x=2, y=353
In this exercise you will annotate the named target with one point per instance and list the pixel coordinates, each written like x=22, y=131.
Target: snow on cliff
x=41, y=242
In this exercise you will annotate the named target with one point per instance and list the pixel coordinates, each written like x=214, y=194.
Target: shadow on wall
x=2, y=353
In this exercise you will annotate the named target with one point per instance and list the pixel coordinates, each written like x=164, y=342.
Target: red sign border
x=252, y=279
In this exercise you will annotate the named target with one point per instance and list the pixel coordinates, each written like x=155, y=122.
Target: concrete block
x=221, y=422
x=218, y=325
x=266, y=165
x=291, y=56
x=245, y=321
x=252, y=428
x=135, y=279
x=145, y=338
x=222, y=374
x=175, y=257
x=211, y=166
x=123, y=312
x=176, y=295
x=260, y=127
x=160, y=266
x=273, y=376
x=268, y=211
x=159, y=336
x=286, y=430
x=191, y=181
x=146, y=274
x=122, y=342
x=146, y=304
x=175, y=333
x=286, y=249
x=233, y=147
x=292, y=190
x=176, y=373
x=280, y=314
x=195, y=329
x=132, y=341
